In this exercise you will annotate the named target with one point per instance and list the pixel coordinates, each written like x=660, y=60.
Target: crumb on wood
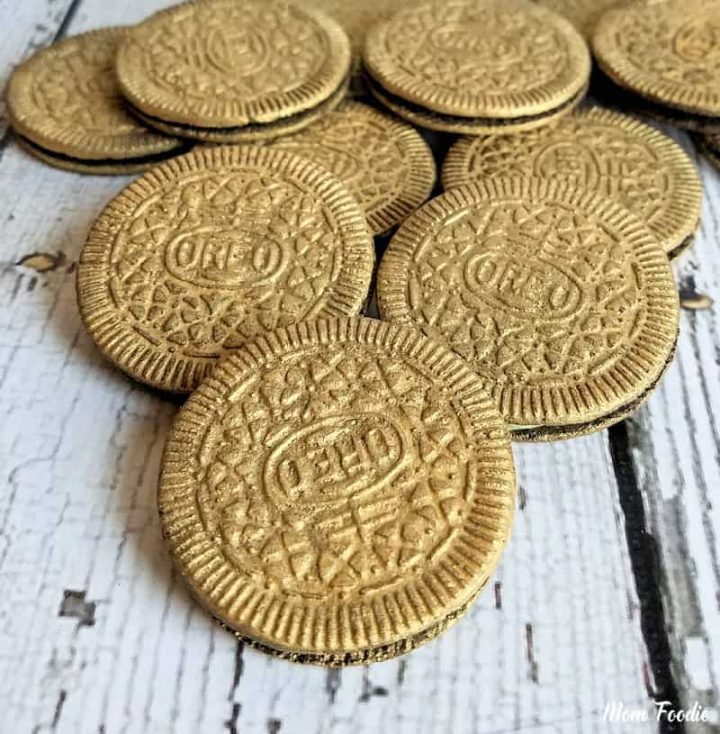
x=696, y=302
x=74, y=605
x=42, y=262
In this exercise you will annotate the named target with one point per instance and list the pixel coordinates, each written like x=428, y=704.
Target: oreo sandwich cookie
x=560, y=299
x=66, y=109
x=477, y=66
x=627, y=161
x=234, y=70
x=204, y=252
x=667, y=53
x=384, y=162
x=338, y=492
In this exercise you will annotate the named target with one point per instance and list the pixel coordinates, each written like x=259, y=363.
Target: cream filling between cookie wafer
x=365, y=655
x=609, y=91
x=479, y=121
x=104, y=162
x=181, y=128
x=561, y=431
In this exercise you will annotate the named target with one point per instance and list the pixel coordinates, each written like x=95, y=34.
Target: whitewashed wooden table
x=609, y=590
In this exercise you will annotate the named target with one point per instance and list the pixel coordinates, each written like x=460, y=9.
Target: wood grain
x=676, y=448
x=97, y=633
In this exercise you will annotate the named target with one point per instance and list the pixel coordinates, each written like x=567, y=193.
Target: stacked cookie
x=265, y=69
x=116, y=100
x=661, y=58
x=338, y=489
x=469, y=67
x=65, y=108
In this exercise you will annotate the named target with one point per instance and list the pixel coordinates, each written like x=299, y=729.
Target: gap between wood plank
x=644, y=562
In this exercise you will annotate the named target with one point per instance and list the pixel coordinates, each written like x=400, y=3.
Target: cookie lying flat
x=338, y=492
x=67, y=110
x=234, y=70
x=561, y=300
x=629, y=162
x=666, y=52
x=207, y=250
x=384, y=162
x=472, y=66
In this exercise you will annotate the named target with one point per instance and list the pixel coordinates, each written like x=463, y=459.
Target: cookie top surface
x=604, y=151
x=384, y=162
x=227, y=63
x=561, y=300
x=479, y=58
x=337, y=486
x=65, y=99
x=667, y=51
x=203, y=252
x=583, y=14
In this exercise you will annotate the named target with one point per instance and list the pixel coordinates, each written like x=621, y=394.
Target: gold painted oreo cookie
x=667, y=51
x=252, y=133
x=209, y=249
x=480, y=63
x=608, y=92
x=216, y=66
x=561, y=300
x=385, y=163
x=65, y=106
x=629, y=162
x=339, y=491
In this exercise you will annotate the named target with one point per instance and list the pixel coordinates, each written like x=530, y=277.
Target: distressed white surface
x=79, y=449
x=677, y=439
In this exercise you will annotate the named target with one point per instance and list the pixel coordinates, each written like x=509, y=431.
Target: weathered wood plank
x=97, y=634
x=676, y=447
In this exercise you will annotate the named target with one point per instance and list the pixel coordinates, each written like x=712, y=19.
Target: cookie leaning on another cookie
x=207, y=250
x=338, y=492
x=562, y=301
